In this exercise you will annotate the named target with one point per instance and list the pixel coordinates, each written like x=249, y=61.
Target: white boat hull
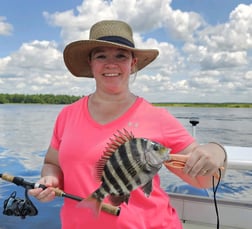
x=196, y=210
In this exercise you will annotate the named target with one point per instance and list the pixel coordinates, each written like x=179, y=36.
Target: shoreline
x=163, y=104
x=212, y=105
x=68, y=99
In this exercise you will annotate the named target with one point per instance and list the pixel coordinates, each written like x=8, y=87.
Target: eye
x=100, y=56
x=156, y=147
x=122, y=57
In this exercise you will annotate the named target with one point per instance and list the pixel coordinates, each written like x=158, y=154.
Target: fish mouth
x=165, y=152
x=160, y=158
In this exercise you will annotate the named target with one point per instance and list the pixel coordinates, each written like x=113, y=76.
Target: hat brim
x=76, y=56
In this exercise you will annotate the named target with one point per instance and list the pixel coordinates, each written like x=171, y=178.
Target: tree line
x=38, y=98
x=67, y=99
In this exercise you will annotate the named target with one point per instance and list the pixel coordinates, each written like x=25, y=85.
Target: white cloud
x=210, y=60
x=35, y=68
x=234, y=35
x=224, y=60
x=248, y=76
x=32, y=58
x=5, y=27
x=181, y=25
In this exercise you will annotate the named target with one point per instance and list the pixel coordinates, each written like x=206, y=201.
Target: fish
x=127, y=163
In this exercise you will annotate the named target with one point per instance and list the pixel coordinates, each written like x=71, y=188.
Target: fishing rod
x=58, y=192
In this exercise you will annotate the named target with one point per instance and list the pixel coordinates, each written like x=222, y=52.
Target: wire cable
x=215, y=188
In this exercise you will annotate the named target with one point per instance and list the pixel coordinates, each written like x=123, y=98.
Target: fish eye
x=156, y=147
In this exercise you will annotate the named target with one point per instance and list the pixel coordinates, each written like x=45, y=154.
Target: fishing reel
x=15, y=206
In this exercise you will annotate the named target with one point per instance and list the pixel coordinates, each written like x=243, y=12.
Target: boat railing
x=239, y=158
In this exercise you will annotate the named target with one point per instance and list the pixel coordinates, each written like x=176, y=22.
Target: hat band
x=116, y=39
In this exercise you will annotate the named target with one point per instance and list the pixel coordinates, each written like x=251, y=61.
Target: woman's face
x=111, y=68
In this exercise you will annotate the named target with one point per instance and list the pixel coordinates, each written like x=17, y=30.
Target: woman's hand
x=202, y=163
x=52, y=177
x=48, y=194
x=204, y=160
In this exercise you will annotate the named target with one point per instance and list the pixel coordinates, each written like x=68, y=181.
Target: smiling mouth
x=111, y=74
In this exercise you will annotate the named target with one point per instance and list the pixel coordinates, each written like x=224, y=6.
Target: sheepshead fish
x=127, y=163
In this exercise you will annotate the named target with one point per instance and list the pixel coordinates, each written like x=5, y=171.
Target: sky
x=205, y=47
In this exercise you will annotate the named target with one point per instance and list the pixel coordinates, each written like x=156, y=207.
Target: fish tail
x=92, y=203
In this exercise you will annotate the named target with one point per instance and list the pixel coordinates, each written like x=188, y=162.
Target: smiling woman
x=83, y=129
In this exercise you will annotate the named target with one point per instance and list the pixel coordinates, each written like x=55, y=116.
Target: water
x=26, y=132
x=228, y=126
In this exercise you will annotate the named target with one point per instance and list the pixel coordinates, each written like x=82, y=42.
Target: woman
x=83, y=129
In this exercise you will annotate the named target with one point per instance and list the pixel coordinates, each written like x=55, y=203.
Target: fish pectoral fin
x=92, y=203
x=147, y=188
x=117, y=200
x=148, y=169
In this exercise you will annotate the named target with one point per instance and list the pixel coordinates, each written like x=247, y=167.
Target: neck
x=105, y=108
x=126, y=96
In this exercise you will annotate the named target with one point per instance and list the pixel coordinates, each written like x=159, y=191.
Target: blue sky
x=205, y=46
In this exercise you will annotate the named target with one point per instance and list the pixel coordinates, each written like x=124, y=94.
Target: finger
x=190, y=164
x=49, y=181
x=45, y=181
x=204, y=172
x=200, y=168
x=193, y=165
x=199, y=163
x=209, y=172
x=35, y=192
x=46, y=195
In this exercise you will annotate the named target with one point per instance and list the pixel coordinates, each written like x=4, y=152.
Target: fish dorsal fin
x=119, y=139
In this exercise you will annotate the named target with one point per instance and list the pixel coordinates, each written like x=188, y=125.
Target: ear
x=89, y=61
x=133, y=64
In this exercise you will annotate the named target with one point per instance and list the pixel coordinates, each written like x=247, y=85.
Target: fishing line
x=215, y=188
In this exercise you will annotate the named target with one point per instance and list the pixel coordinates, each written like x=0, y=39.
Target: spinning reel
x=15, y=206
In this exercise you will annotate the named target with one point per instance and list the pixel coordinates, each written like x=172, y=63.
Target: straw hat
x=109, y=33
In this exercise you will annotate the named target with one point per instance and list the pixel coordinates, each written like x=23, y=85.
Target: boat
x=198, y=211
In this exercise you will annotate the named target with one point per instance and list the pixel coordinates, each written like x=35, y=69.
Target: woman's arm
x=51, y=168
x=51, y=176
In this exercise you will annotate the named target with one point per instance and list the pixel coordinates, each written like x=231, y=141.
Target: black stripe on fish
x=128, y=163
x=131, y=162
x=120, y=176
x=99, y=194
x=112, y=184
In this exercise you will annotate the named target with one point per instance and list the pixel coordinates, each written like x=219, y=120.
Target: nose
x=111, y=62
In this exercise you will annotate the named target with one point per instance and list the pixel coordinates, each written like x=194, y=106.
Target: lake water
x=25, y=132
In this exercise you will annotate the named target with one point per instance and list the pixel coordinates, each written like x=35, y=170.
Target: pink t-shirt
x=81, y=141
